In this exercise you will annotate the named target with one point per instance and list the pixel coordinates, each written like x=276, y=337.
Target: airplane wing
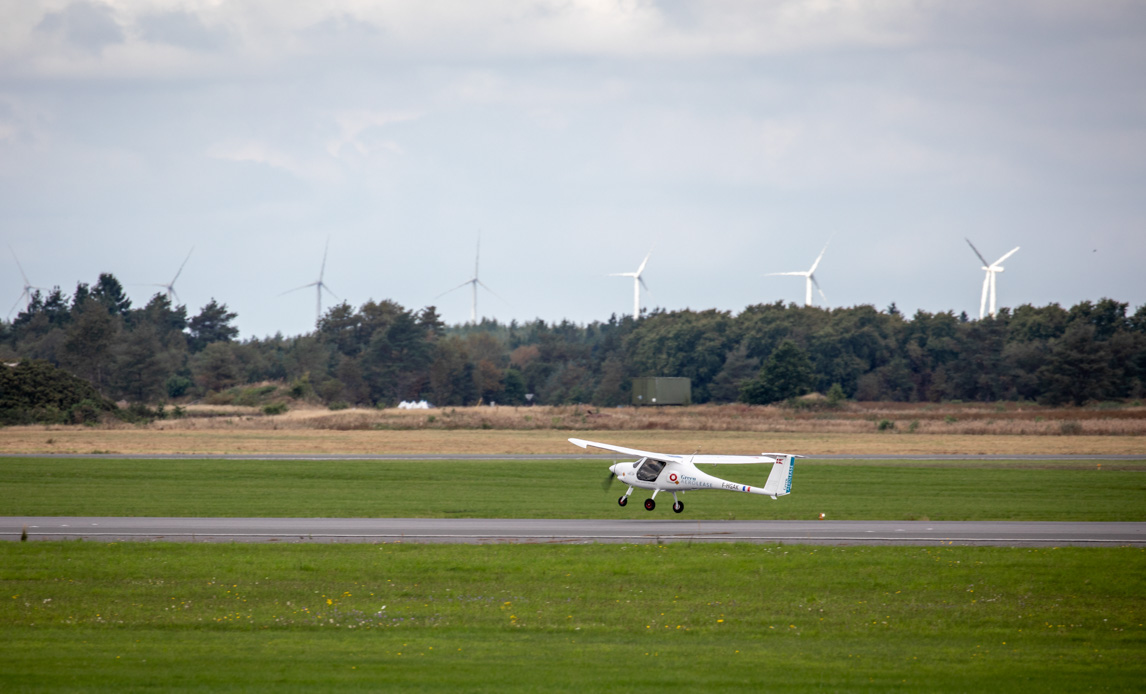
x=739, y=459
x=626, y=451
x=696, y=459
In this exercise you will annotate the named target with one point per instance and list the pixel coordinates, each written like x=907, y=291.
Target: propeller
x=608, y=481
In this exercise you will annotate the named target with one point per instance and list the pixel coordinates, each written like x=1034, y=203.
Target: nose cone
x=613, y=469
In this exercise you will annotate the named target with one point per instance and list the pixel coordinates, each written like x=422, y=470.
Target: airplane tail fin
x=780, y=479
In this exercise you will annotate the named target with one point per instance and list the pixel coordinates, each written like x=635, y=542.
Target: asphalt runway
x=574, y=531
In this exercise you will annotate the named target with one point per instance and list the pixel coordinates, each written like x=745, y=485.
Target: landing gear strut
x=677, y=504
x=623, y=500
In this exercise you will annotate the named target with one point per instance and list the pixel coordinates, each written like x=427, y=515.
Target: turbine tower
x=809, y=278
x=989, y=279
x=28, y=288
x=318, y=285
x=638, y=282
x=170, y=286
x=474, y=282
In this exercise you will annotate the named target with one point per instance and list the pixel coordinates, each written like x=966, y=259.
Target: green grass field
x=562, y=489
x=93, y=617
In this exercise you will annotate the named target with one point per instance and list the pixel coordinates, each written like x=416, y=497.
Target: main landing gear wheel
x=650, y=504
x=678, y=506
x=622, y=501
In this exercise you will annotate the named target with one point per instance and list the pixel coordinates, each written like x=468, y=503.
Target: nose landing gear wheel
x=622, y=501
x=678, y=506
x=650, y=504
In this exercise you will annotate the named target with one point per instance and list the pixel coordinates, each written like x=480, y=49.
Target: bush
x=252, y=397
x=275, y=408
x=339, y=405
x=85, y=412
x=885, y=425
x=37, y=392
x=177, y=386
x=301, y=388
x=1070, y=428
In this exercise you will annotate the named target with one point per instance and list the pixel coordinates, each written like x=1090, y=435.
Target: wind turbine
x=809, y=278
x=989, y=280
x=27, y=293
x=318, y=285
x=638, y=282
x=170, y=286
x=474, y=282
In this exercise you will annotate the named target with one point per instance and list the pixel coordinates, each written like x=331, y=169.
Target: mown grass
x=560, y=489
x=129, y=617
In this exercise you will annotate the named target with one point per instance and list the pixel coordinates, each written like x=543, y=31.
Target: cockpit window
x=649, y=471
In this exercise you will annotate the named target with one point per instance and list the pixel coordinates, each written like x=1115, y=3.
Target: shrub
x=84, y=412
x=1070, y=428
x=37, y=392
x=275, y=408
x=338, y=405
x=885, y=424
x=177, y=386
x=301, y=388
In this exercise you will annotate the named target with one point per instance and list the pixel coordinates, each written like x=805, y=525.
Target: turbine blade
x=181, y=267
x=819, y=258
x=453, y=290
x=644, y=263
x=492, y=292
x=477, y=256
x=642, y=281
x=1008, y=255
x=821, y=291
x=305, y=286
x=26, y=283
x=621, y=274
x=13, y=309
x=322, y=285
x=322, y=270
x=976, y=251
x=776, y=274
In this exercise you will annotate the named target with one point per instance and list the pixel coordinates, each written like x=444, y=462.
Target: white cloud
x=354, y=123
x=263, y=34
x=256, y=152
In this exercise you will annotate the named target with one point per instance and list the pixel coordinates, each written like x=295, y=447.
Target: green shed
x=657, y=390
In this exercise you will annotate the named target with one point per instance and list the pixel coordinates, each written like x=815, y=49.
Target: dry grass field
x=854, y=428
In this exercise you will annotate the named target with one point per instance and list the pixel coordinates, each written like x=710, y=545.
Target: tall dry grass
x=851, y=418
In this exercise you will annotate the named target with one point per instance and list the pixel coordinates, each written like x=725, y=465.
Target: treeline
x=381, y=353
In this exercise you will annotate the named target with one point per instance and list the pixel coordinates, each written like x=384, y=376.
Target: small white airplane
x=662, y=472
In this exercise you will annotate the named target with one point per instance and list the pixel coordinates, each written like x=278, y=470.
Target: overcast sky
x=732, y=138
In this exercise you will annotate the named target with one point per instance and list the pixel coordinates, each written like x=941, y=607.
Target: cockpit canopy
x=650, y=469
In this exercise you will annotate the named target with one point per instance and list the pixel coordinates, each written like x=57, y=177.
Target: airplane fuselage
x=674, y=476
